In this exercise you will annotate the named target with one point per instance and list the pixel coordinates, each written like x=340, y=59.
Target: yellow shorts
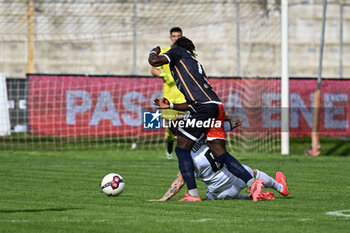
x=169, y=136
x=170, y=114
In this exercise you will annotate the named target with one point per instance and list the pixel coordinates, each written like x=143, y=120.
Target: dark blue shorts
x=205, y=113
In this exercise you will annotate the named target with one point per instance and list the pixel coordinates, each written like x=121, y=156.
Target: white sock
x=193, y=192
x=251, y=182
x=269, y=182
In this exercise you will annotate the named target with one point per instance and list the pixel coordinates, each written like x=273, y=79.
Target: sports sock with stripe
x=236, y=168
x=186, y=167
x=269, y=182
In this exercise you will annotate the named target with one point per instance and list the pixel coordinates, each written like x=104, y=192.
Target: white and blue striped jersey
x=221, y=183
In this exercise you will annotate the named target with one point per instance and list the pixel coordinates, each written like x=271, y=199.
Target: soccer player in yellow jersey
x=170, y=91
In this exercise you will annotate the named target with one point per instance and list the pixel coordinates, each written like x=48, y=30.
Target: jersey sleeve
x=173, y=54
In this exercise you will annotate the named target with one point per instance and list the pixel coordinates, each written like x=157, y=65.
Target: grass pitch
x=60, y=192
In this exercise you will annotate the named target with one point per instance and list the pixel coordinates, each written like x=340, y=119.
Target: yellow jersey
x=170, y=90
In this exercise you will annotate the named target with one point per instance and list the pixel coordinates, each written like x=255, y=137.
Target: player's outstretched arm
x=174, y=188
x=155, y=60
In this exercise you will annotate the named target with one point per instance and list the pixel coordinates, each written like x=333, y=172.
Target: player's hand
x=234, y=121
x=156, y=49
x=162, y=103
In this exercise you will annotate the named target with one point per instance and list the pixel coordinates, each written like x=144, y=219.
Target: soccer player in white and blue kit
x=222, y=184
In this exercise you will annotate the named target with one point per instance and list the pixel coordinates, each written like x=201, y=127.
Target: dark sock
x=186, y=167
x=170, y=146
x=234, y=166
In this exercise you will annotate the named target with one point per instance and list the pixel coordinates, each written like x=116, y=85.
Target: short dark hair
x=187, y=44
x=175, y=29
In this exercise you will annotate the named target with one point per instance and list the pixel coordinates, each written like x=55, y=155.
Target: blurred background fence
x=233, y=38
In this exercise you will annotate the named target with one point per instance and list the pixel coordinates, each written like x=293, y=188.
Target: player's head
x=175, y=33
x=185, y=43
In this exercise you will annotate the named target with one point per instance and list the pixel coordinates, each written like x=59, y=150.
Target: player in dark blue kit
x=203, y=104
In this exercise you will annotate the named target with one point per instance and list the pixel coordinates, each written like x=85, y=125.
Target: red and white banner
x=101, y=106
x=257, y=102
x=90, y=106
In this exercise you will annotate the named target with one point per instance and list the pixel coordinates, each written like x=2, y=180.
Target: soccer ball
x=112, y=184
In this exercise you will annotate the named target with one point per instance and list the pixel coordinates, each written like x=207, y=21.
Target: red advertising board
x=102, y=106
x=90, y=106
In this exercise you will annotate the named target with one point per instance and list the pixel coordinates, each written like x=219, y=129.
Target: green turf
x=60, y=192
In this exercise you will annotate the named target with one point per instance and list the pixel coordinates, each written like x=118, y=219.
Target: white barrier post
x=284, y=81
x=5, y=127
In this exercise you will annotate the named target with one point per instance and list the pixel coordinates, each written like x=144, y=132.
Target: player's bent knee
x=255, y=172
x=184, y=143
x=169, y=136
x=217, y=147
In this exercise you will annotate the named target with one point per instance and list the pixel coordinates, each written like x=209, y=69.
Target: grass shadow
x=330, y=146
x=341, y=148
x=37, y=210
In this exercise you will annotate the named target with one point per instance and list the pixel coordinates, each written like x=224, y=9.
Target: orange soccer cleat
x=312, y=152
x=268, y=196
x=281, y=179
x=188, y=197
x=256, y=190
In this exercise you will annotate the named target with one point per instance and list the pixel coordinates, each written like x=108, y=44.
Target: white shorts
x=231, y=192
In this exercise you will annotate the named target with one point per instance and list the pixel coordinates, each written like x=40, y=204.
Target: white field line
x=339, y=213
x=202, y=220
